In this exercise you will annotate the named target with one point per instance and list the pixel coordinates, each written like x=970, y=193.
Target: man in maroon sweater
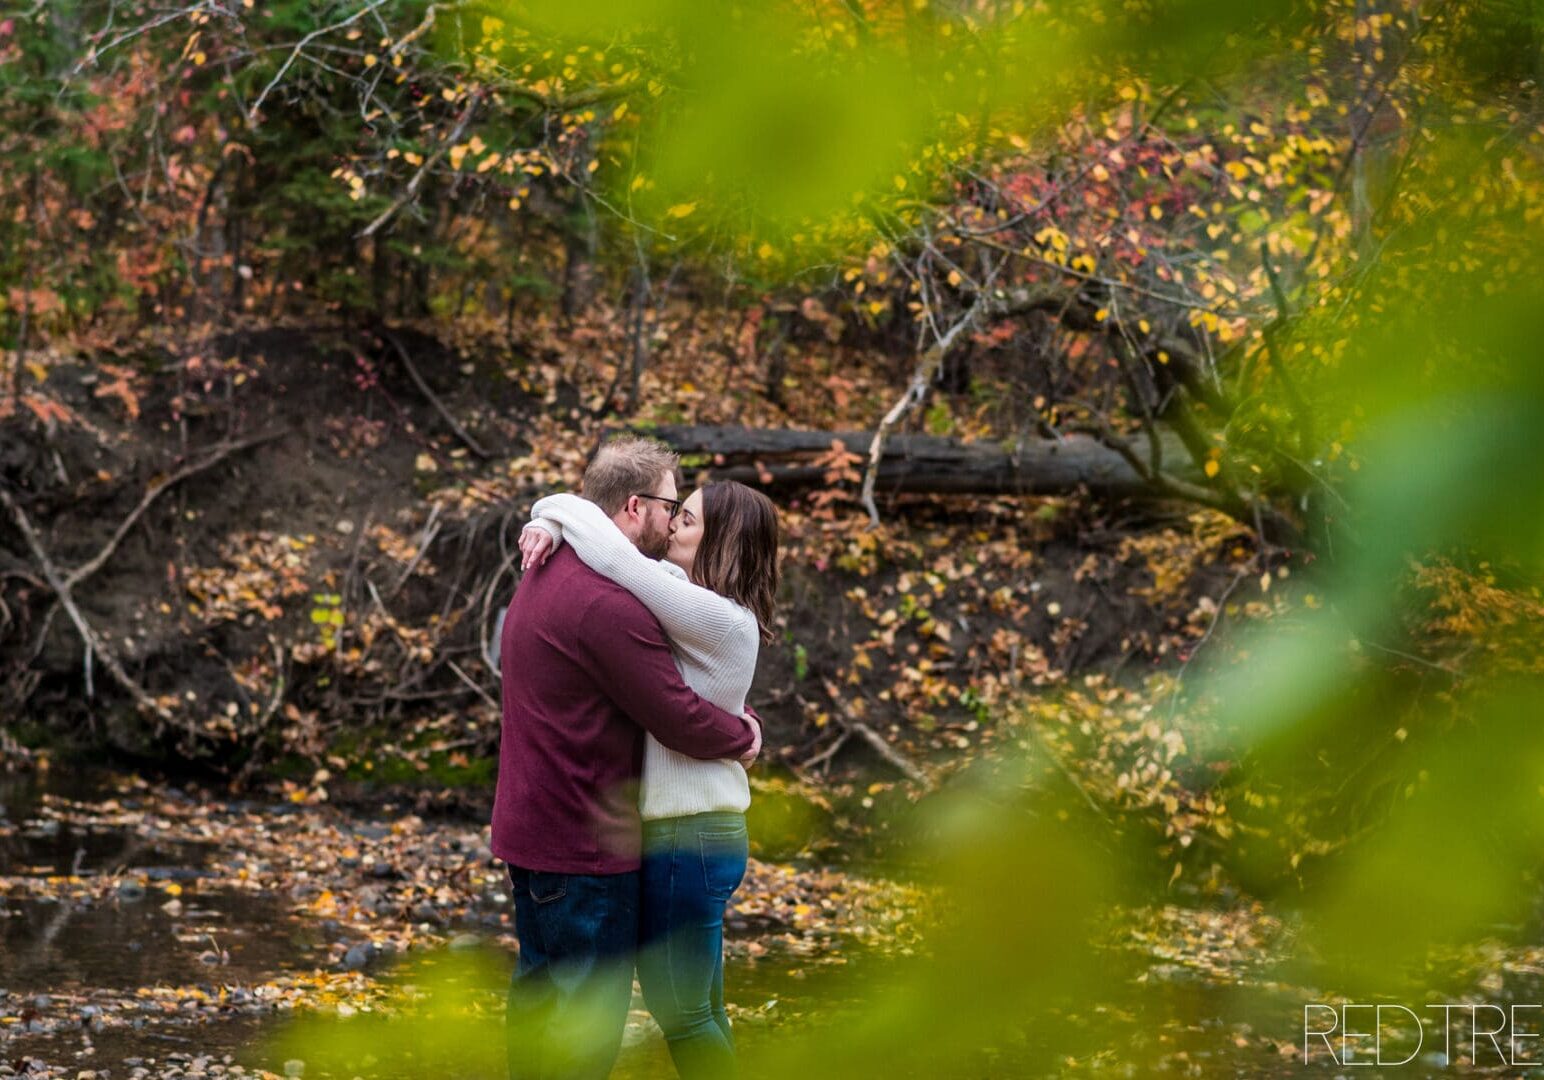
x=586, y=671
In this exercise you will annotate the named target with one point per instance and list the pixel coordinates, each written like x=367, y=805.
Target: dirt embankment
x=291, y=544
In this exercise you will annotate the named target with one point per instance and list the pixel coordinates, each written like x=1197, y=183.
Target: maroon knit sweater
x=586, y=671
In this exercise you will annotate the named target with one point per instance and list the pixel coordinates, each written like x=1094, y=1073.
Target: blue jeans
x=691, y=867
x=569, y=996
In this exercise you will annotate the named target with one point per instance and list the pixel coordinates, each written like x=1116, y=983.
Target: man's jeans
x=691, y=867
x=569, y=996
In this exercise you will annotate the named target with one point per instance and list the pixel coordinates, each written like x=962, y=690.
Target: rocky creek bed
x=150, y=930
x=155, y=930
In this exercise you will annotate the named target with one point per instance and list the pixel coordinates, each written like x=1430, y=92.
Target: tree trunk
x=919, y=463
x=581, y=240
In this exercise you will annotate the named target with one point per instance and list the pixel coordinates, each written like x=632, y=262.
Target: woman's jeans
x=691, y=867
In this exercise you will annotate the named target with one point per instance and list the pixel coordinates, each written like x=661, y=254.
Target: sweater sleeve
x=694, y=618
x=632, y=664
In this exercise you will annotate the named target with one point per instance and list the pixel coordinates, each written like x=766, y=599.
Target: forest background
x=1149, y=390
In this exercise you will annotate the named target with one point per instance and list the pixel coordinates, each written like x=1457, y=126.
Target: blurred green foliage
x=1387, y=795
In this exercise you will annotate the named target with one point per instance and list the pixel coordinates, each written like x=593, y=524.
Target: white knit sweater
x=715, y=642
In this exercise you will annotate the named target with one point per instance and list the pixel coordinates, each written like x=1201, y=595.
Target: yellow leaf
x=370, y=60
x=637, y=183
x=954, y=278
x=1211, y=467
x=39, y=372
x=199, y=58
x=681, y=210
x=1102, y=314
x=174, y=889
x=1156, y=212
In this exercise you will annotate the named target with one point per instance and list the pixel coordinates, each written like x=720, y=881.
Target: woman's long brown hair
x=737, y=556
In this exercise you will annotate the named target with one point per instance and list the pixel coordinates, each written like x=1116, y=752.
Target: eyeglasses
x=674, y=504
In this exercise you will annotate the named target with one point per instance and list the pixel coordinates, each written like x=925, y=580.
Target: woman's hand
x=750, y=717
x=535, y=547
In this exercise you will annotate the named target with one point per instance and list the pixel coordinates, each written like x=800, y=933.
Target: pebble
x=465, y=941
x=358, y=957
x=131, y=890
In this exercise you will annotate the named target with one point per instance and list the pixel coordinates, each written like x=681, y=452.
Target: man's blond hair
x=627, y=465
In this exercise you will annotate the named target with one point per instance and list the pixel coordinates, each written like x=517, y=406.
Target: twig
x=825, y=756
x=278, y=686
x=1067, y=773
x=916, y=392
x=883, y=748
x=423, y=388
x=464, y=677
x=252, y=113
x=431, y=530
x=93, y=641
x=219, y=454
x=423, y=170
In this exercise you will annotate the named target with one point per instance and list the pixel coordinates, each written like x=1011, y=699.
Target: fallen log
x=925, y=464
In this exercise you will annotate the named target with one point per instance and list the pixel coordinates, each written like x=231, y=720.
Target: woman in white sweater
x=713, y=594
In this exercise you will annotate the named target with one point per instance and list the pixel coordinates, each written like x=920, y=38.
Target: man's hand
x=535, y=547
x=750, y=755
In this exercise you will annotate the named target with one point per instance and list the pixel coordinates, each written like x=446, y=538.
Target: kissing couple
x=626, y=656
